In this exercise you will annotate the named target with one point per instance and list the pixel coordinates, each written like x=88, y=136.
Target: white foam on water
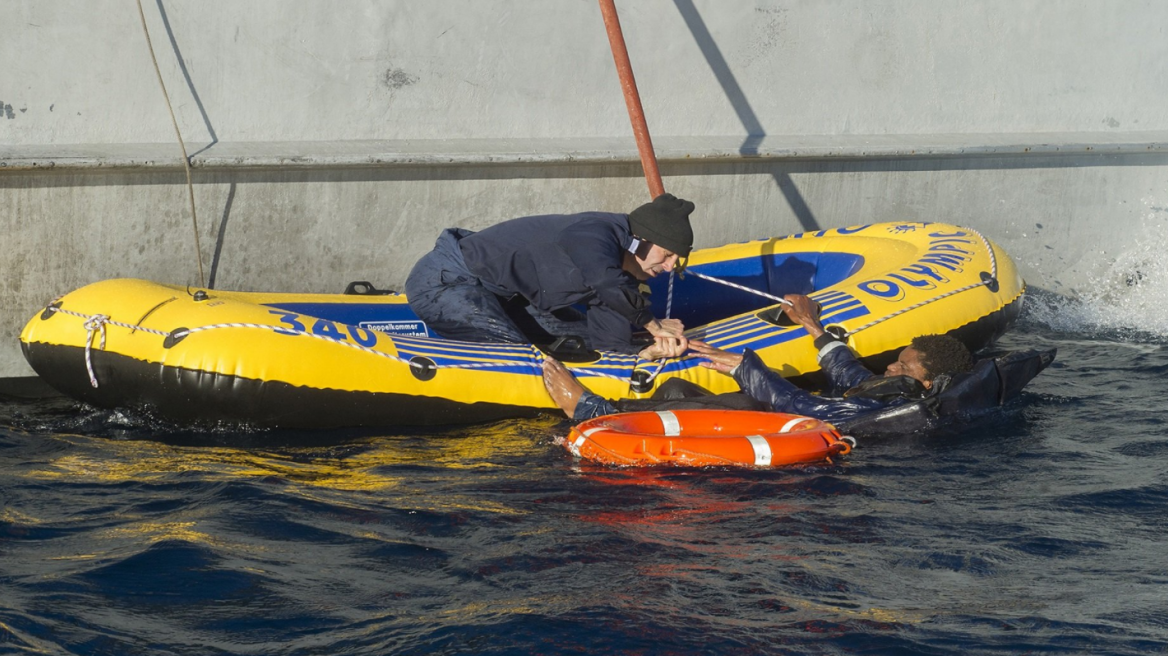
x=1130, y=297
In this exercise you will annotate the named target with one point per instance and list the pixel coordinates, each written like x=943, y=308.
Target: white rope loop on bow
x=94, y=324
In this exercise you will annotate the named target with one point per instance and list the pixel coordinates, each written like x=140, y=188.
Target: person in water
x=853, y=389
x=518, y=281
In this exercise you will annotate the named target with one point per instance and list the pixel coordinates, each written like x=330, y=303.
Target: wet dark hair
x=943, y=355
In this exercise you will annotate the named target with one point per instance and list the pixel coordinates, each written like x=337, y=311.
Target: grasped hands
x=670, y=342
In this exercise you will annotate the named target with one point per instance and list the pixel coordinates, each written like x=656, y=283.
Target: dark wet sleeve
x=596, y=252
x=591, y=406
x=766, y=386
x=843, y=370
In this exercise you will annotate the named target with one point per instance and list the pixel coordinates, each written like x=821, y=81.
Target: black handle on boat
x=365, y=288
x=774, y=314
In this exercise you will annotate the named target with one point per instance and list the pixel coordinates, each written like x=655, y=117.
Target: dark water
x=1040, y=529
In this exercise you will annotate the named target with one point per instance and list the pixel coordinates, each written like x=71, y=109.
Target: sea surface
x=1039, y=529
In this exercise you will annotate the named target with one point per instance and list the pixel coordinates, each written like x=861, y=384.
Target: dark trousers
x=454, y=303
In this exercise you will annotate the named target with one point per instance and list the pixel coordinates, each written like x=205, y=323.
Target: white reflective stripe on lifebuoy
x=574, y=447
x=762, y=450
x=791, y=424
x=669, y=423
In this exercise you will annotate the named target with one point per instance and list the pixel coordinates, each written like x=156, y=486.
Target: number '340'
x=329, y=329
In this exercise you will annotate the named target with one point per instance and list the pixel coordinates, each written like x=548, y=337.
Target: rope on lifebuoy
x=791, y=424
x=627, y=460
x=669, y=436
x=700, y=454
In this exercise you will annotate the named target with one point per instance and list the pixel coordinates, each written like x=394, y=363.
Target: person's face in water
x=909, y=364
x=656, y=260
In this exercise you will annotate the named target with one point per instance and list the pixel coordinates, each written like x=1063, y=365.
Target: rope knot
x=94, y=324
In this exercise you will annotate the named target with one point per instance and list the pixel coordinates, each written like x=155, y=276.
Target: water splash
x=1128, y=300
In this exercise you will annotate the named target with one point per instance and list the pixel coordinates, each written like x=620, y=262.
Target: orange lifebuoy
x=707, y=437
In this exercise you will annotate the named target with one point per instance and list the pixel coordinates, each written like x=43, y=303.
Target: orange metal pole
x=632, y=99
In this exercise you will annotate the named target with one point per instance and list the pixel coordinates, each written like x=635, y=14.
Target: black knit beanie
x=664, y=222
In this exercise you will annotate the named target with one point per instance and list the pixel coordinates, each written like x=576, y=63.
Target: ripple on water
x=1147, y=502
x=175, y=573
x=1035, y=528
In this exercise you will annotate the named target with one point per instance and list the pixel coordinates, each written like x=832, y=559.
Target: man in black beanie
x=518, y=281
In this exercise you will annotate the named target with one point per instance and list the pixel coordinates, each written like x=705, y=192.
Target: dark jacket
x=854, y=390
x=557, y=261
x=845, y=397
x=861, y=403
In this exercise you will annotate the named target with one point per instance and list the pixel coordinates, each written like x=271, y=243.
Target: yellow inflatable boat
x=363, y=359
